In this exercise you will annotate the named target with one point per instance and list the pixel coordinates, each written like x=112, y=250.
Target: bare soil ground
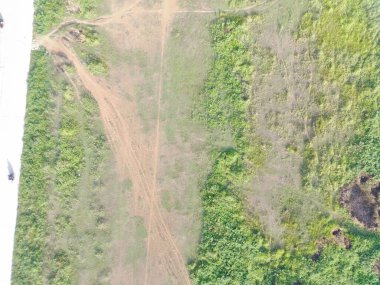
x=361, y=199
x=149, y=244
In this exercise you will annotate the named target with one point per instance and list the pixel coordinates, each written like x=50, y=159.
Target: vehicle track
x=169, y=8
x=118, y=130
x=125, y=138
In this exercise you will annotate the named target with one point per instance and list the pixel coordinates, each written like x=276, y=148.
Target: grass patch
x=91, y=47
x=91, y=8
x=47, y=14
x=344, y=143
x=62, y=231
x=241, y=3
x=229, y=247
x=31, y=230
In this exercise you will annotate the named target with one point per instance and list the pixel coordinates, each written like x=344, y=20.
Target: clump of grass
x=91, y=50
x=47, y=14
x=35, y=178
x=241, y=3
x=95, y=64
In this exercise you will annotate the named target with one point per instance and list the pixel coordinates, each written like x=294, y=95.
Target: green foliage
x=95, y=64
x=60, y=213
x=348, y=57
x=68, y=165
x=223, y=105
x=346, y=142
x=344, y=41
x=31, y=228
x=47, y=14
x=231, y=251
x=241, y=3
x=92, y=50
x=366, y=148
x=88, y=8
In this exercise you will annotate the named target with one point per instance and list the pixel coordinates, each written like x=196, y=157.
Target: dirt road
x=137, y=152
x=127, y=143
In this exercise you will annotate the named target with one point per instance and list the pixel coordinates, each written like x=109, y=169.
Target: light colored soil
x=137, y=150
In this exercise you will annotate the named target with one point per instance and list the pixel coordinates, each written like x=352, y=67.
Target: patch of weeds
x=241, y=3
x=65, y=216
x=89, y=45
x=231, y=248
x=95, y=64
x=47, y=14
x=35, y=179
x=90, y=8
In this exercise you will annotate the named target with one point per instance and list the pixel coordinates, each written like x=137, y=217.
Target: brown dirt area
x=337, y=237
x=361, y=199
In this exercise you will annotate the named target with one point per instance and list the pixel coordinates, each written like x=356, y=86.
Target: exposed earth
x=361, y=199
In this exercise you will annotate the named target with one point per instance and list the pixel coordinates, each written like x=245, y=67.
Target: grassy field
x=32, y=219
x=65, y=230
x=332, y=135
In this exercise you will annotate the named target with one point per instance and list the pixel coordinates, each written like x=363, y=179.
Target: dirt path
x=169, y=8
x=122, y=133
x=137, y=158
x=118, y=127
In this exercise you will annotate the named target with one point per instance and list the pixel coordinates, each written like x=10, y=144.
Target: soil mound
x=361, y=199
x=337, y=237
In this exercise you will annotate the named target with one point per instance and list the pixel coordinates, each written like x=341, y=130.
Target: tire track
x=123, y=146
x=123, y=134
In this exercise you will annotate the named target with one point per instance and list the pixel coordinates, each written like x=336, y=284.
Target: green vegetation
x=92, y=49
x=348, y=58
x=242, y=3
x=230, y=251
x=91, y=8
x=68, y=219
x=230, y=246
x=95, y=64
x=343, y=41
x=62, y=221
x=47, y=14
x=31, y=230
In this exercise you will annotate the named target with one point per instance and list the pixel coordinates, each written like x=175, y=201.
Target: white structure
x=15, y=46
